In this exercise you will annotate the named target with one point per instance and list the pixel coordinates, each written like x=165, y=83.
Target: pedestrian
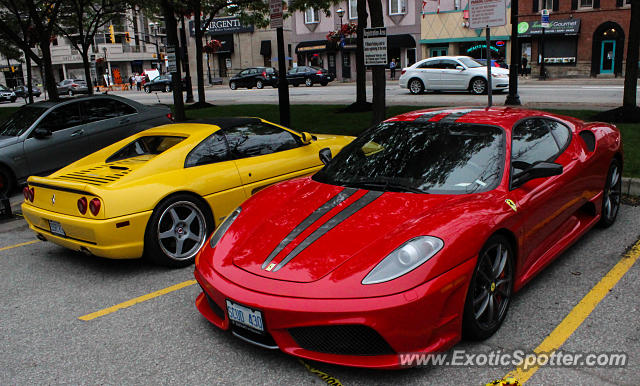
x=131, y=82
x=523, y=63
x=139, y=82
x=392, y=68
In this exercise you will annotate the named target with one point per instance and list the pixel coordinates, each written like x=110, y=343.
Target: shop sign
x=559, y=27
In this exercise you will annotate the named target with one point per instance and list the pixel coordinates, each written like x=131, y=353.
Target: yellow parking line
x=580, y=312
x=329, y=379
x=137, y=300
x=19, y=245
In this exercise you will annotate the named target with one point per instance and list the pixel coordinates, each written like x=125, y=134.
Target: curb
x=631, y=186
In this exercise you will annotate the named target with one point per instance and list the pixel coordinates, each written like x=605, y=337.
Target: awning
x=401, y=41
x=265, y=48
x=311, y=46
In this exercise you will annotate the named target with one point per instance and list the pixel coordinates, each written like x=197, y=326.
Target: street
x=598, y=94
x=160, y=337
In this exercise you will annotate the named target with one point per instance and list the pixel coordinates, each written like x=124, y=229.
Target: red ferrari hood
x=322, y=226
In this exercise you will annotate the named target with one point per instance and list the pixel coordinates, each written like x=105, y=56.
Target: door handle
x=77, y=133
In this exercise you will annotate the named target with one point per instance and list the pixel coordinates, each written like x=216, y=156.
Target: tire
x=490, y=289
x=147, y=90
x=478, y=86
x=70, y=92
x=167, y=88
x=13, y=100
x=612, y=194
x=324, y=83
x=7, y=182
x=308, y=82
x=416, y=86
x=295, y=84
x=177, y=229
x=233, y=85
x=259, y=85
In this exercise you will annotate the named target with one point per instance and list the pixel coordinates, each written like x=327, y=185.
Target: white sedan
x=452, y=73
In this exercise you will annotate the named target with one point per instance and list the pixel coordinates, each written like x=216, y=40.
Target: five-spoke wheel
x=490, y=290
x=416, y=86
x=612, y=194
x=478, y=86
x=177, y=230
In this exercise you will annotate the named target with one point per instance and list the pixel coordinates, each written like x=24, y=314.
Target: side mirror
x=537, y=170
x=41, y=133
x=325, y=155
x=306, y=138
x=459, y=68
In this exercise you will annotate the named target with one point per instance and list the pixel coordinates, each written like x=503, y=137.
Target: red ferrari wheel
x=490, y=290
x=612, y=194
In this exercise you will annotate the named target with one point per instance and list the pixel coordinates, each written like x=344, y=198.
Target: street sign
x=487, y=13
x=375, y=46
x=545, y=18
x=171, y=59
x=275, y=12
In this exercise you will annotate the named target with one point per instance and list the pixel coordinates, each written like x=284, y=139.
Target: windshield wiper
x=387, y=186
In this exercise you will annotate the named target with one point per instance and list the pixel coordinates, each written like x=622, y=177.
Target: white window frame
x=353, y=9
x=546, y=2
x=580, y=6
x=313, y=14
x=400, y=4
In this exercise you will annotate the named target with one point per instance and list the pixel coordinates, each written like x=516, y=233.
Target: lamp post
x=340, y=13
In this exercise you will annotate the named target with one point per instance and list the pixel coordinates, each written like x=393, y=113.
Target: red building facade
x=585, y=37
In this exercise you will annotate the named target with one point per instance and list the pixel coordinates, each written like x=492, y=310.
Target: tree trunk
x=631, y=72
x=379, y=81
x=87, y=69
x=197, y=25
x=49, y=79
x=172, y=41
x=29, y=81
x=361, y=71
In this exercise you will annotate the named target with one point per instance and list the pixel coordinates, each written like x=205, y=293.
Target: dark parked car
x=72, y=87
x=23, y=91
x=7, y=95
x=162, y=83
x=309, y=75
x=255, y=77
x=44, y=136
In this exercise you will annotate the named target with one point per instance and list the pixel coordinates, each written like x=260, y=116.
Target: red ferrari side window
x=533, y=142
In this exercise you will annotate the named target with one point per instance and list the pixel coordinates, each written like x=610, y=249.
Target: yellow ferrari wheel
x=177, y=229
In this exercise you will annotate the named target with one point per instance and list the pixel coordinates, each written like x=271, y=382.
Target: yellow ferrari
x=161, y=192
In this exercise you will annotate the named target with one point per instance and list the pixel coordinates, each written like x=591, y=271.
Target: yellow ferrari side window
x=150, y=145
x=211, y=150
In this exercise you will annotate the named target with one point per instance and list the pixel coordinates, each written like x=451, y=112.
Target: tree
x=42, y=15
x=80, y=20
x=168, y=8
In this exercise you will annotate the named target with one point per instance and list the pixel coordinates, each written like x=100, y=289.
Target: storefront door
x=439, y=51
x=331, y=59
x=607, y=56
x=346, y=65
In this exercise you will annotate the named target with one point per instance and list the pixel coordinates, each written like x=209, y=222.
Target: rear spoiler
x=62, y=185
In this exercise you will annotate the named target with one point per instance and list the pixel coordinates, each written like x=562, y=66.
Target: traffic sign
x=545, y=18
x=275, y=13
x=487, y=13
x=375, y=46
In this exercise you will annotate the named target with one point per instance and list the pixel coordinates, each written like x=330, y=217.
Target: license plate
x=56, y=228
x=245, y=316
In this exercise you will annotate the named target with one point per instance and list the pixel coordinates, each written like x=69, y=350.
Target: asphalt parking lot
x=159, y=337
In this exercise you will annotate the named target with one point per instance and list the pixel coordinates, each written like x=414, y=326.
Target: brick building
x=585, y=38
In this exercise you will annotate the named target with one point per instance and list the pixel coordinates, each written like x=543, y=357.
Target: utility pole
x=513, y=98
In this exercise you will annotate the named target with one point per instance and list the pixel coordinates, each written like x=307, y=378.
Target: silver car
x=42, y=137
x=72, y=86
x=6, y=94
x=452, y=73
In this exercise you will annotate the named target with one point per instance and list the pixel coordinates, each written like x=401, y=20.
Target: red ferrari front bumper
x=427, y=318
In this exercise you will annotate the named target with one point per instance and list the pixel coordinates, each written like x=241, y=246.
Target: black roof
x=225, y=122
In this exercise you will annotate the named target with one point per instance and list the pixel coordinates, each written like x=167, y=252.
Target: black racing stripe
x=344, y=214
x=451, y=118
x=426, y=116
x=313, y=217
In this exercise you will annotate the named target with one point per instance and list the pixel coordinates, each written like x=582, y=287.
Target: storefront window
x=397, y=7
x=353, y=9
x=311, y=16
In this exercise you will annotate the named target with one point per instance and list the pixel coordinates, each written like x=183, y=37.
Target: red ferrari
x=414, y=236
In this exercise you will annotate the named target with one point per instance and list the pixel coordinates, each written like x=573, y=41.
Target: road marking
x=137, y=300
x=19, y=245
x=580, y=312
x=330, y=380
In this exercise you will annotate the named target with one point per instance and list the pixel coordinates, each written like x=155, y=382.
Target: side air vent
x=589, y=139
